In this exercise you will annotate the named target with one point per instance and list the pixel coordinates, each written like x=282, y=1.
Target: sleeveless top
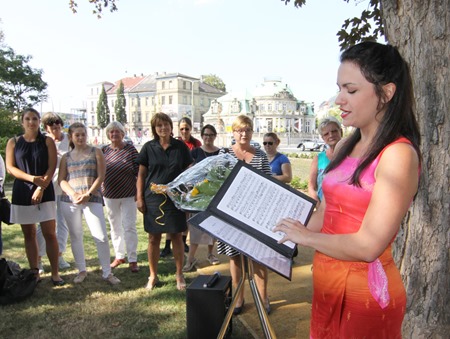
x=353, y=299
x=31, y=158
x=322, y=163
x=81, y=175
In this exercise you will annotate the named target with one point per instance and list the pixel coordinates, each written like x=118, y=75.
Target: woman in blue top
x=331, y=132
x=279, y=163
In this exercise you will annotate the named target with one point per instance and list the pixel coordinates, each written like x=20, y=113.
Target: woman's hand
x=78, y=198
x=140, y=203
x=40, y=181
x=293, y=230
x=37, y=196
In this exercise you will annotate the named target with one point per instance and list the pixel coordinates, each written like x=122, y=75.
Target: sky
x=241, y=41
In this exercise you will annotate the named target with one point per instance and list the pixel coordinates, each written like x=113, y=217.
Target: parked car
x=128, y=140
x=252, y=143
x=311, y=145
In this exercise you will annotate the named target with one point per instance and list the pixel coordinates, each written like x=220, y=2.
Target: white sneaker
x=62, y=263
x=80, y=277
x=112, y=279
x=41, y=268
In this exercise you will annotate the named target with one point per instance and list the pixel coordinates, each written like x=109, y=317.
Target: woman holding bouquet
x=160, y=161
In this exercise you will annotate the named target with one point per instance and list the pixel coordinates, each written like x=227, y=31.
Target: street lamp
x=192, y=100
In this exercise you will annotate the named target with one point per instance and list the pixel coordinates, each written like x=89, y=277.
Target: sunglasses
x=184, y=129
x=209, y=135
x=268, y=143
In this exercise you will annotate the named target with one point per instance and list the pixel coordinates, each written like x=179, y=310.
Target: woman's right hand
x=140, y=203
x=78, y=198
x=40, y=181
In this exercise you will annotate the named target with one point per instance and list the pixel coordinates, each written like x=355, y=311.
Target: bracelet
x=40, y=188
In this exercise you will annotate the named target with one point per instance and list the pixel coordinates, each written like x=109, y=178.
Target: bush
x=299, y=184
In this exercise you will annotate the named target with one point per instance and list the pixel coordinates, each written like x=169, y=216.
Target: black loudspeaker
x=206, y=307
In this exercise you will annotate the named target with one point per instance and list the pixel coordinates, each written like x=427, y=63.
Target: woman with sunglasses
x=208, y=149
x=53, y=125
x=279, y=163
x=331, y=132
x=185, y=127
x=31, y=159
x=242, y=150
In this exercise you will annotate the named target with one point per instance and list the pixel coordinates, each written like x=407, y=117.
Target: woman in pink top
x=368, y=188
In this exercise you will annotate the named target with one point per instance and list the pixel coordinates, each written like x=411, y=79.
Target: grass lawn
x=94, y=309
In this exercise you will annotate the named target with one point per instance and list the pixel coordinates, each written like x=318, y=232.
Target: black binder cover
x=246, y=208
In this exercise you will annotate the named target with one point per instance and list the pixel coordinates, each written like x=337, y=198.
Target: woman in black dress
x=31, y=160
x=161, y=160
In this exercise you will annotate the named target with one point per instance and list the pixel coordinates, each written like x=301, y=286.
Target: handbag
x=5, y=208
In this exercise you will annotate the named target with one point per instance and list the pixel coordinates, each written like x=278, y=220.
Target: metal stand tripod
x=248, y=273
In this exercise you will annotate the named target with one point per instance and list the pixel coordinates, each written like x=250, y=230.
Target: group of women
x=358, y=291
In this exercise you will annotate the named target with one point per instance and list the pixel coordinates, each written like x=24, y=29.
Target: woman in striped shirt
x=119, y=192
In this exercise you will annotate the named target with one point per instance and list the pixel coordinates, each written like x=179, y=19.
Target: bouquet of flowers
x=194, y=189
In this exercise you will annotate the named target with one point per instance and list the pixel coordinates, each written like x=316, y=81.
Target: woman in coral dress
x=368, y=188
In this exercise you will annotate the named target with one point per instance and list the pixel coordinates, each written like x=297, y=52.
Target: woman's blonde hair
x=242, y=121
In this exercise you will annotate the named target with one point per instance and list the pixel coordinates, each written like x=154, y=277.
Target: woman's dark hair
x=72, y=128
x=187, y=121
x=274, y=136
x=382, y=64
x=208, y=126
x=51, y=118
x=157, y=118
x=40, y=137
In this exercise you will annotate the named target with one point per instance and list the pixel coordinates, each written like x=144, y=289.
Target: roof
x=128, y=83
x=270, y=87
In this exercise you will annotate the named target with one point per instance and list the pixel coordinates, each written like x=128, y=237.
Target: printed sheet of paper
x=260, y=203
x=248, y=245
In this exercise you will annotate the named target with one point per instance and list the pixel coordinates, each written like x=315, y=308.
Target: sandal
x=189, y=265
x=152, y=282
x=181, y=283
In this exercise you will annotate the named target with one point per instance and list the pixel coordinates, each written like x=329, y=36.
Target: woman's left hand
x=36, y=198
x=293, y=230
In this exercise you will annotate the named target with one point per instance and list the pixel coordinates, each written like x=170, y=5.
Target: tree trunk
x=419, y=28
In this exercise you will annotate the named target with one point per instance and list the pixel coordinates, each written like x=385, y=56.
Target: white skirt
x=25, y=215
x=199, y=237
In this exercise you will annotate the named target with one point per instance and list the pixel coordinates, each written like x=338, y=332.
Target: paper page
x=248, y=245
x=260, y=203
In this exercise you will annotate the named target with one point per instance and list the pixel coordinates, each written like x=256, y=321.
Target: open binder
x=246, y=208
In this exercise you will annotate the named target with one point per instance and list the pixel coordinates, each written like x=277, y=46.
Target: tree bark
x=420, y=29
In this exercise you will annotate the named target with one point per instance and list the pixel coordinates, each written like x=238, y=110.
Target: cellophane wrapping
x=193, y=190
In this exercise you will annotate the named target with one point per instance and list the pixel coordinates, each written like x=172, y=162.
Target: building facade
x=272, y=106
x=175, y=94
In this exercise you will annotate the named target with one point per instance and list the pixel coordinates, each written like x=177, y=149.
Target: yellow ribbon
x=159, y=189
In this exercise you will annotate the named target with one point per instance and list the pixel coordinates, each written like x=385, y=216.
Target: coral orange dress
x=354, y=299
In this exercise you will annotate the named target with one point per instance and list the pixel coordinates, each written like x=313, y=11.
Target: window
x=153, y=101
x=261, y=108
x=132, y=101
x=170, y=100
x=184, y=99
x=269, y=107
x=146, y=101
x=163, y=100
x=170, y=84
x=92, y=120
x=184, y=84
x=163, y=85
x=146, y=116
x=284, y=107
x=139, y=117
x=201, y=101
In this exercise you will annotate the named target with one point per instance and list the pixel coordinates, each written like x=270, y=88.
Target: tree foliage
x=99, y=6
x=119, y=106
x=20, y=85
x=215, y=81
x=356, y=29
x=102, y=109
